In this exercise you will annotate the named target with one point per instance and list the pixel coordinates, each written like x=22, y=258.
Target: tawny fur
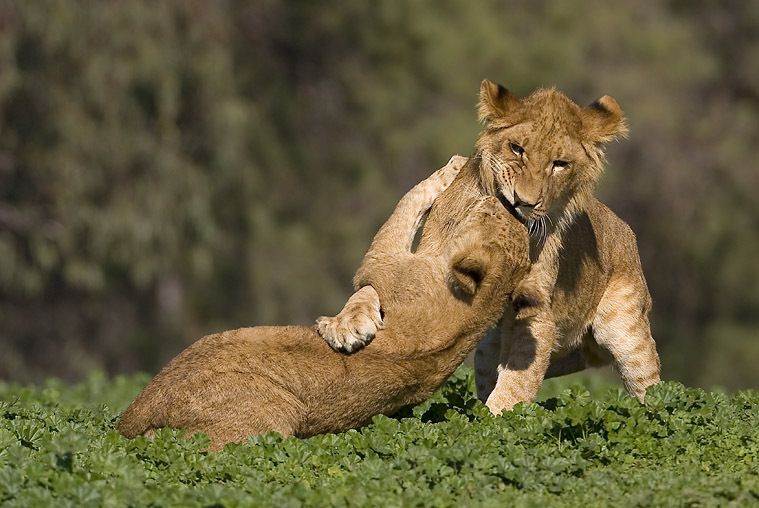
x=437, y=303
x=544, y=155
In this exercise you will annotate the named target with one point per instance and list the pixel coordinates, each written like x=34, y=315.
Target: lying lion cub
x=436, y=303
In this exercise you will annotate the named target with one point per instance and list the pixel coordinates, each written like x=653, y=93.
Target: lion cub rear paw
x=352, y=329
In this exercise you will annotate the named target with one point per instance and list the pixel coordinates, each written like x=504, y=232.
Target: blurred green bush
x=169, y=169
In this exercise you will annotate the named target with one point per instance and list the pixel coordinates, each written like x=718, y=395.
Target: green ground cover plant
x=685, y=447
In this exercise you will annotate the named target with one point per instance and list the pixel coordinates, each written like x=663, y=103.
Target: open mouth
x=512, y=210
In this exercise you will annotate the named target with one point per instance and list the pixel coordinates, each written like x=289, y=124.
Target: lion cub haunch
x=436, y=305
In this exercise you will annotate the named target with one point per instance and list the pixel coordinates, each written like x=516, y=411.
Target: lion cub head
x=490, y=259
x=543, y=153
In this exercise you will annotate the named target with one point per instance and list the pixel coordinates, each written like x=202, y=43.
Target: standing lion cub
x=543, y=155
x=437, y=303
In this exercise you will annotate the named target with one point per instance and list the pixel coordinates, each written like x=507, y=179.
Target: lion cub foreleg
x=523, y=365
x=358, y=322
x=621, y=327
x=355, y=325
x=486, y=358
x=525, y=356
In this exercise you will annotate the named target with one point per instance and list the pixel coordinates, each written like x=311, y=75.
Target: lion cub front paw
x=499, y=402
x=352, y=329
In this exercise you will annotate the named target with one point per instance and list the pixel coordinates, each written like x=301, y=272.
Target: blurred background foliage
x=173, y=168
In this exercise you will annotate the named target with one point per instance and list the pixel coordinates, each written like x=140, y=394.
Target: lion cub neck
x=451, y=208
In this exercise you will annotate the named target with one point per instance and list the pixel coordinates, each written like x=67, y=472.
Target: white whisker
x=543, y=221
x=540, y=230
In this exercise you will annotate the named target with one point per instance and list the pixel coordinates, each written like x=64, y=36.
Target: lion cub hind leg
x=245, y=419
x=621, y=327
x=569, y=364
x=238, y=405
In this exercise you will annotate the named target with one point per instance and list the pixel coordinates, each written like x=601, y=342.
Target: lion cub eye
x=518, y=150
x=559, y=165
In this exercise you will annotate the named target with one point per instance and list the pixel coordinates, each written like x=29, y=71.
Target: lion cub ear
x=495, y=101
x=467, y=272
x=603, y=120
